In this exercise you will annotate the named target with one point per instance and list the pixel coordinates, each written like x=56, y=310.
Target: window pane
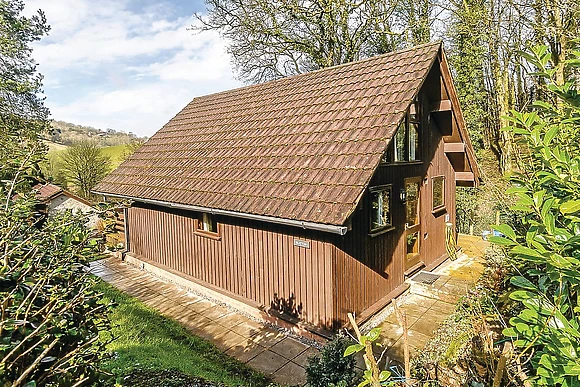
x=412, y=203
x=412, y=245
x=381, y=209
x=438, y=191
x=400, y=138
x=413, y=142
x=209, y=223
x=388, y=155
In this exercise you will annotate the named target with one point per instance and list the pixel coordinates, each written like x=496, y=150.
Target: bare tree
x=270, y=39
x=84, y=165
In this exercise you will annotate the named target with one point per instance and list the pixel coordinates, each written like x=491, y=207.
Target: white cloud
x=110, y=66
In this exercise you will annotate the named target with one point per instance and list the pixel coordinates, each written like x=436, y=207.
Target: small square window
x=381, y=217
x=206, y=225
x=438, y=192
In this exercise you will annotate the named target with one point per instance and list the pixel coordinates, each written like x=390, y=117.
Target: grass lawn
x=148, y=341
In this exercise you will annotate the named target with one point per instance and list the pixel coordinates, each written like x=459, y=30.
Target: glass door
x=412, y=222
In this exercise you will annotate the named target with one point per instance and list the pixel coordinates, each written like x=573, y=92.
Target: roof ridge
x=380, y=56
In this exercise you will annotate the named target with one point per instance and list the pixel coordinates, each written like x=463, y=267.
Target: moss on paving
x=146, y=341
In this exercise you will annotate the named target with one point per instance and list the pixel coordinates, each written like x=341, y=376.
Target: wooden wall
x=255, y=260
x=367, y=268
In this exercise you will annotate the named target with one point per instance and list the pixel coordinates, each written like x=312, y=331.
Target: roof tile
x=301, y=148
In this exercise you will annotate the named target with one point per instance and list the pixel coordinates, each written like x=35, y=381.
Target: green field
x=114, y=152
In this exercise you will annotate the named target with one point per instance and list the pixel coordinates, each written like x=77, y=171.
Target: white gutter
x=340, y=230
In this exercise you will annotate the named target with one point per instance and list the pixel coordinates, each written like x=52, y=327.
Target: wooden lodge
x=306, y=197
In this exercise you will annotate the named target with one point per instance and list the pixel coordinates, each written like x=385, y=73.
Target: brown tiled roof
x=301, y=148
x=46, y=191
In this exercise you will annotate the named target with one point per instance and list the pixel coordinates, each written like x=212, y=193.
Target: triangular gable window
x=406, y=143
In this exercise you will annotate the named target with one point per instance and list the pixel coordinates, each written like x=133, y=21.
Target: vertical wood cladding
x=255, y=260
x=367, y=268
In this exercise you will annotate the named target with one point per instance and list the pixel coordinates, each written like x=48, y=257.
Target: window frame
x=387, y=227
x=442, y=206
x=200, y=230
x=390, y=155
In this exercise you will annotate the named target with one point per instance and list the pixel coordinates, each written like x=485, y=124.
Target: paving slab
x=245, y=353
x=289, y=348
x=290, y=374
x=302, y=359
x=268, y=362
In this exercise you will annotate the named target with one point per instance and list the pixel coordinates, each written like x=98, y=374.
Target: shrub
x=545, y=244
x=330, y=367
x=51, y=316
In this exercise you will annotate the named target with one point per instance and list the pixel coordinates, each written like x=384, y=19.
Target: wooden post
x=369, y=356
x=402, y=318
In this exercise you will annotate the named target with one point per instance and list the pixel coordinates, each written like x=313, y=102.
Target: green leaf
x=505, y=230
x=524, y=251
x=570, y=207
x=521, y=295
x=550, y=134
x=374, y=334
x=384, y=375
x=501, y=241
x=353, y=349
x=523, y=282
x=364, y=383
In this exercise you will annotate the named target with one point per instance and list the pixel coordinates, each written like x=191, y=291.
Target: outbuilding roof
x=301, y=148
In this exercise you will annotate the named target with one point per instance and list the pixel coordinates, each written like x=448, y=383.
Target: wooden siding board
x=254, y=263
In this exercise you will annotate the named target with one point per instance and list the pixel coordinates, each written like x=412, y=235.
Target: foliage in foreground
x=330, y=367
x=545, y=244
x=51, y=315
x=145, y=341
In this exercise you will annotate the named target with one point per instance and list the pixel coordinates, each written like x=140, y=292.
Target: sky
x=128, y=65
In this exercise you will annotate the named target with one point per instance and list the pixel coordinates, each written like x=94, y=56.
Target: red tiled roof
x=301, y=148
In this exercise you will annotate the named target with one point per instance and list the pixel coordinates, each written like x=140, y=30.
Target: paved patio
x=426, y=306
x=265, y=349
x=281, y=357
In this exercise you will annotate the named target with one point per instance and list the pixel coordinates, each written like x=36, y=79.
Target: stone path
x=426, y=306
x=283, y=358
x=265, y=349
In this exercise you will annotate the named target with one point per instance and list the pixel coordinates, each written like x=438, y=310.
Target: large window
x=438, y=193
x=406, y=143
x=381, y=217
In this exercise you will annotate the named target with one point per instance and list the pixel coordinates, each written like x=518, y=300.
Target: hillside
x=65, y=133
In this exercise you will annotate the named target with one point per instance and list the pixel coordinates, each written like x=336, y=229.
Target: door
x=412, y=223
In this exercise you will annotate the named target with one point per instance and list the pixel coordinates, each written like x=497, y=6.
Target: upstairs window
x=381, y=217
x=406, y=143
